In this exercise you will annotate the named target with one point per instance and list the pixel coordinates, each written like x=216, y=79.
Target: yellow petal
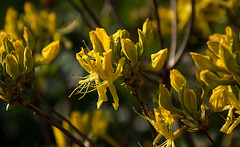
x=103, y=37
x=114, y=95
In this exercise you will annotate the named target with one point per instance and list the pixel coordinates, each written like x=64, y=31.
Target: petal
x=107, y=64
x=114, y=95
x=102, y=89
x=103, y=37
x=119, y=69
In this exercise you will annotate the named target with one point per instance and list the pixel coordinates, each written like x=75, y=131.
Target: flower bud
x=49, y=53
x=28, y=37
x=116, y=54
x=148, y=31
x=212, y=80
x=28, y=61
x=229, y=60
x=124, y=34
x=158, y=59
x=143, y=43
x=165, y=101
x=12, y=67
x=177, y=79
x=214, y=47
x=7, y=44
x=129, y=49
x=205, y=63
x=190, y=101
x=19, y=49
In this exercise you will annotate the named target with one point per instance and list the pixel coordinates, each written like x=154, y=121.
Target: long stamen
x=85, y=91
x=75, y=90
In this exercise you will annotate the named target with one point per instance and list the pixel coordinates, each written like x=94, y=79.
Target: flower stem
x=145, y=110
x=158, y=24
x=43, y=102
x=51, y=121
x=209, y=137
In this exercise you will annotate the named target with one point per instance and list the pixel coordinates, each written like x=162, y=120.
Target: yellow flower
x=100, y=68
x=219, y=98
x=163, y=123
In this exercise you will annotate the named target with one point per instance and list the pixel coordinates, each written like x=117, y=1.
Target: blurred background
x=19, y=127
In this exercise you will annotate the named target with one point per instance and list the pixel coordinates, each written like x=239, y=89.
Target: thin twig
x=81, y=14
x=90, y=12
x=157, y=15
x=174, y=34
x=116, y=15
x=51, y=121
x=43, y=102
x=186, y=37
x=210, y=138
x=145, y=110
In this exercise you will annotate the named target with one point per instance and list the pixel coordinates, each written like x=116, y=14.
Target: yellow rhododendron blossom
x=100, y=69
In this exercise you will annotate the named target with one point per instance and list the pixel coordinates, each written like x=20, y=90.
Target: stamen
x=85, y=91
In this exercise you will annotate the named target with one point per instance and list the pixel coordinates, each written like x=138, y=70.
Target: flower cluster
x=17, y=62
x=221, y=69
x=116, y=57
x=42, y=24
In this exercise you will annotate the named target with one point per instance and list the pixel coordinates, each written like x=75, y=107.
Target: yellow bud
x=49, y=53
x=129, y=49
x=165, y=101
x=143, y=43
x=228, y=59
x=28, y=61
x=116, y=54
x=214, y=47
x=177, y=79
x=124, y=34
x=12, y=67
x=7, y=44
x=219, y=98
x=19, y=49
x=148, y=31
x=30, y=41
x=205, y=63
x=158, y=59
x=212, y=80
x=190, y=100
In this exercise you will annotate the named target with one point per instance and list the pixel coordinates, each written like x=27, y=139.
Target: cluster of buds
x=116, y=57
x=42, y=24
x=220, y=65
x=221, y=70
x=17, y=62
